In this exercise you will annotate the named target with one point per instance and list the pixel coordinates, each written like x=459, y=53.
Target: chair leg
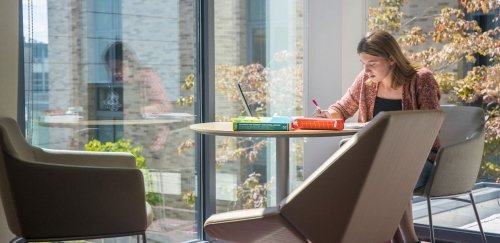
x=477, y=217
x=431, y=227
x=144, y=237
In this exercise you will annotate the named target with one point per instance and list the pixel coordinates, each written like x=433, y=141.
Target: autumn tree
x=463, y=55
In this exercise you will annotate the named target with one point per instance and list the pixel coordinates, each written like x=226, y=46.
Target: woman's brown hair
x=382, y=44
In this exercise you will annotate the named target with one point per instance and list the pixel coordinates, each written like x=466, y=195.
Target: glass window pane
x=458, y=40
x=117, y=75
x=258, y=44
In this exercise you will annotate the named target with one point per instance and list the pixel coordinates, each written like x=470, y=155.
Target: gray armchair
x=358, y=195
x=458, y=160
x=53, y=195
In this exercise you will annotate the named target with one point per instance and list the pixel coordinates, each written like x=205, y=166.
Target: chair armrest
x=85, y=158
x=252, y=225
x=240, y=215
x=76, y=200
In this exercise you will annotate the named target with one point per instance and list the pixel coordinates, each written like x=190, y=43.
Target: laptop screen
x=244, y=100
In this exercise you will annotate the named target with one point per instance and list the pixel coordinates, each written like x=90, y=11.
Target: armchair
x=458, y=160
x=58, y=195
x=358, y=195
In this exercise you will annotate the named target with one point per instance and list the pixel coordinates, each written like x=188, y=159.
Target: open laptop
x=244, y=100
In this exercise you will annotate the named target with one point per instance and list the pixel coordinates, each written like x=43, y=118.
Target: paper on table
x=168, y=115
x=354, y=125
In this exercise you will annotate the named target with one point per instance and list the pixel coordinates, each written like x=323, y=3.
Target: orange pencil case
x=317, y=123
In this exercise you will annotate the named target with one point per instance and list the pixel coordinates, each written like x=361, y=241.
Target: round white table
x=282, y=145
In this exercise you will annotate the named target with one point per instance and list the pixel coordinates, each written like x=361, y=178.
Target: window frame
x=205, y=112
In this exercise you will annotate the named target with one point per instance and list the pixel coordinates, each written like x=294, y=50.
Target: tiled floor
x=460, y=215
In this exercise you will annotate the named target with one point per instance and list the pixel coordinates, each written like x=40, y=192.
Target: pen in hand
x=319, y=112
x=316, y=104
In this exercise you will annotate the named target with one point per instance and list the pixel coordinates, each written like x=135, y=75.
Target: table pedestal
x=282, y=168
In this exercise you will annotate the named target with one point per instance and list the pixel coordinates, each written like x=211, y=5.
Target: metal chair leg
x=477, y=217
x=429, y=211
x=144, y=237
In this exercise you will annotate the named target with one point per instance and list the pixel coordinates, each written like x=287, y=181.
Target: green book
x=275, y=123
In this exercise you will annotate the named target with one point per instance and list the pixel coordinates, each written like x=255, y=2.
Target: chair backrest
x=460, y=122
x=13, y=141
x=459, y=159
x=367, y=182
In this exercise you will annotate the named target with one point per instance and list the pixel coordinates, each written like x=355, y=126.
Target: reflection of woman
x=144, y=94
x=125, y=68
x=389, y=82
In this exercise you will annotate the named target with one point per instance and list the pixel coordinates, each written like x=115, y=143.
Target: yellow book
x=274, y=123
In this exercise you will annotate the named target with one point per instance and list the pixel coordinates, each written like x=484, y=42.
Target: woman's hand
x=322, y=114
x=327, y=114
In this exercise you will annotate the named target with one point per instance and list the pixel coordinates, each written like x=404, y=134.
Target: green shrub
x=122, y=145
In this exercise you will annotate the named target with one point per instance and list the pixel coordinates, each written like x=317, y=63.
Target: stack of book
x=275, y=123
x=285, y=123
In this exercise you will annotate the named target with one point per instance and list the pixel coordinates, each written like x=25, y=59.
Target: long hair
x=382, y=44
x=121, y=52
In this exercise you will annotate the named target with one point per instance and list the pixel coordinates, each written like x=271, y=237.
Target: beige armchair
x=64, y=195
x=458, y=160
x=358, y=195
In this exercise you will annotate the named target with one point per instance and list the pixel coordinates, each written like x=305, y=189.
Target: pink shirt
x=419, y=93
x=153, y=93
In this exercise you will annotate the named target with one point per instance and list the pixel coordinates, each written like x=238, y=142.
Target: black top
x=382, y=104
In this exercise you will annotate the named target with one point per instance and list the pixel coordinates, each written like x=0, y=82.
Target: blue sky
x=39, y=17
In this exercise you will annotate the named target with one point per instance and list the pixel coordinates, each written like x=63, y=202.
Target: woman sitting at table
x=389, y=82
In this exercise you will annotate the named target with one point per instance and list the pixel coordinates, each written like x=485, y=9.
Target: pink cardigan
x=419, y=93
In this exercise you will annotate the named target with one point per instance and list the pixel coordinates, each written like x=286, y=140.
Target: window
x=122, y=73
x=258, y=44
x=119, y=71
x=456, y=39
